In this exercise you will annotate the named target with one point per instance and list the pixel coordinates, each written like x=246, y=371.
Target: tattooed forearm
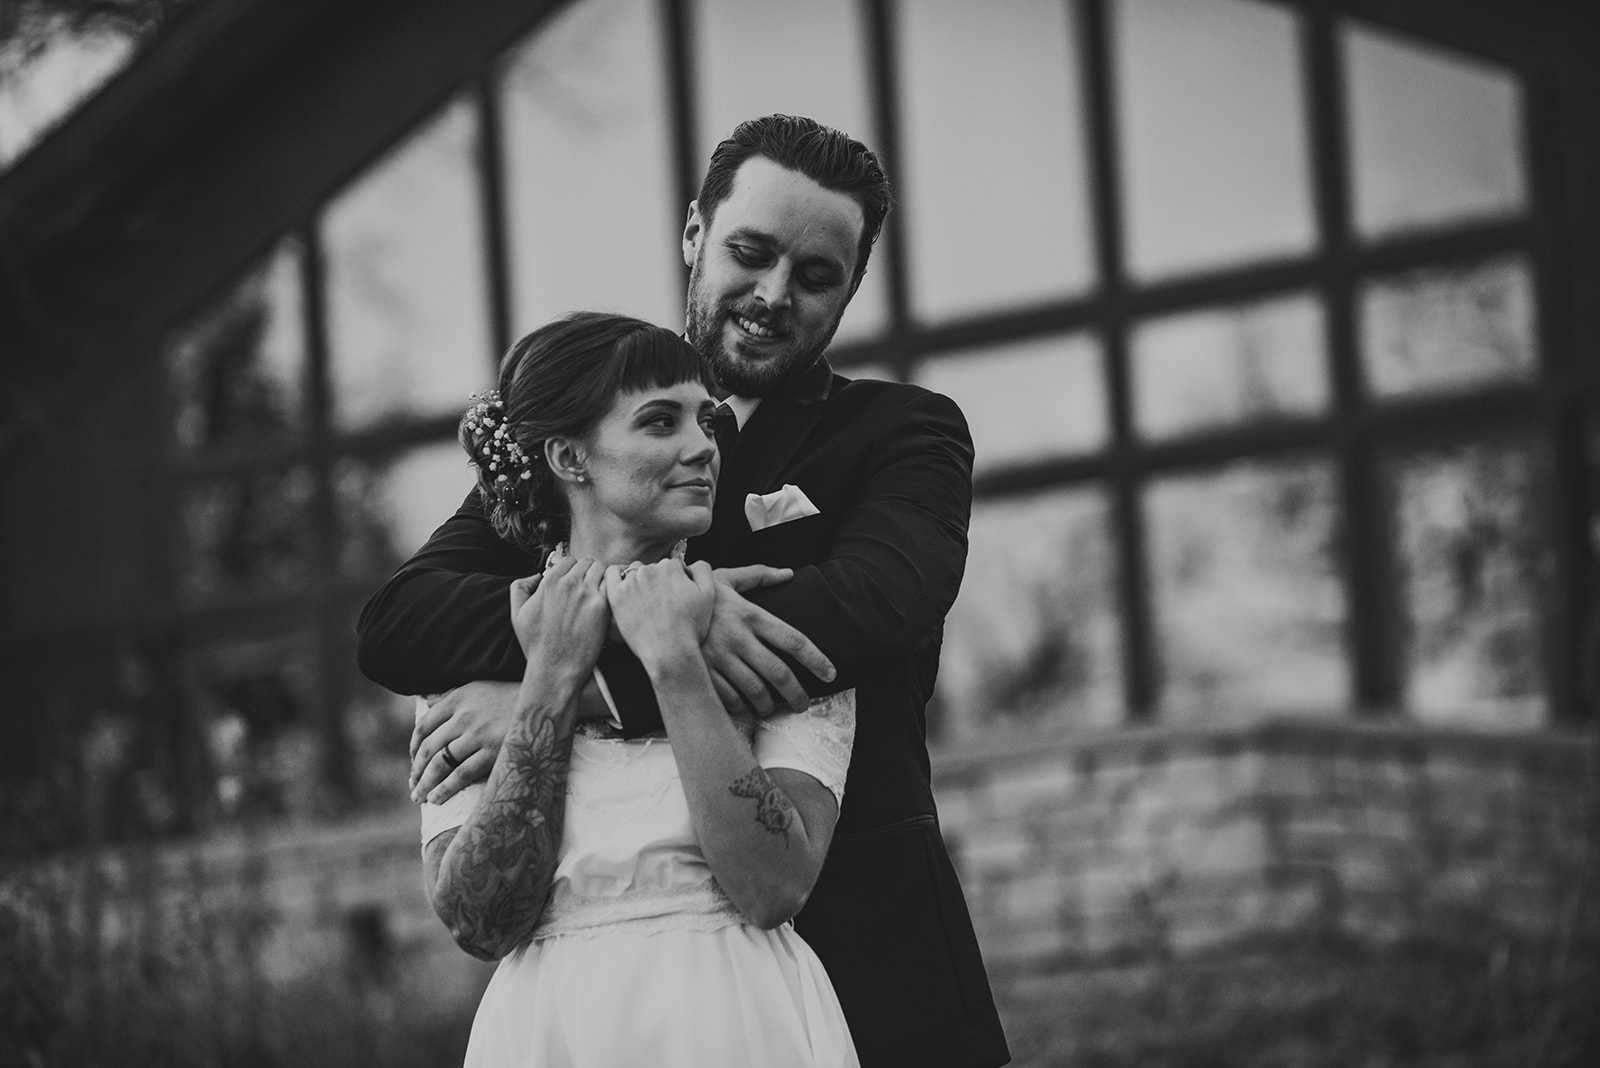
x=496, y=874
x=774, y=810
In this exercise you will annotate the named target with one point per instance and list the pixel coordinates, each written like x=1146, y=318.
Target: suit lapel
x=767, y=443
x=775, y=432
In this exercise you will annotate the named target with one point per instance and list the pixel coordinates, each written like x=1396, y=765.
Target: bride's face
x=652, y=461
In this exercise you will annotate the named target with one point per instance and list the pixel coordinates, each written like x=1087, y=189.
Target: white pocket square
x=780, y=506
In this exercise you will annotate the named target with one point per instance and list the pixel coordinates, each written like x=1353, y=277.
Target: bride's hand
x=561, y=617
x=662, y=610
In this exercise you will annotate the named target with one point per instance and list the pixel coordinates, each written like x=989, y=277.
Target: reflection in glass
x=1033, y=641
x=758, y=57
x=247, y=534
x=106, y=755
x=1448, y=328
x=1026, y=401
x=253, y=698
x=1434, y=136
x=40, y=90
x=1246, y=592
x=1212, y=134
x=1228, y=365
x=387, y=510
x=378, y=725
x=407, y=299
x=237, y=373
x=594, y=212
x=1475, y=564
x=994, y=183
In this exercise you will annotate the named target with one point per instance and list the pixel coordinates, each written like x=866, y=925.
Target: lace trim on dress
x=611, y=757
x=822, y=737
x=698, y=907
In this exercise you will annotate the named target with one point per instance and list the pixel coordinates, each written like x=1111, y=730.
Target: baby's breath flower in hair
x=495, y=450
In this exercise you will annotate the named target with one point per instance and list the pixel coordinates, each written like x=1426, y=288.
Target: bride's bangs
x=656, y=358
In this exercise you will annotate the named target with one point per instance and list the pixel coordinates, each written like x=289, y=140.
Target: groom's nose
x=772, y=287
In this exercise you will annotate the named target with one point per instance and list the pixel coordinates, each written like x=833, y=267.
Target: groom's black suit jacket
x=889, y=468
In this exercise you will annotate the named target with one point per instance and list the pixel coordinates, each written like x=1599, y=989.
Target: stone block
x=997, y=850
x=1236, y=845
x=1034, y=898
x=1032, y=789
x=1372, y=866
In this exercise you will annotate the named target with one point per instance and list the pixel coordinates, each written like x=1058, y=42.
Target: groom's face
x=771, y=271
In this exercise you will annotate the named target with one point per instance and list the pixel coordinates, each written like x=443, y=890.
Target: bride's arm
x=764, y=833
x=489, y=880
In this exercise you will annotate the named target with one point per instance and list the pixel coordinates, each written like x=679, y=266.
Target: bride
x=637, y=893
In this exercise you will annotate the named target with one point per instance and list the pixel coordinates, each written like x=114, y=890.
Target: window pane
x=41, y=90
x=1245, y=584
x=1476, y=565
x=1033, y=642
x=1229, y=365
x=758, y=57
x=247, y=534
x=388, y=508
x=1434, y=136
x=1026, y=401
x=594, y=212
x=1212, y=133
x=378, y=725
x=1448, y=328
x=1007, y=224
x=255, y=700
x=407, y=298
x=237, y=374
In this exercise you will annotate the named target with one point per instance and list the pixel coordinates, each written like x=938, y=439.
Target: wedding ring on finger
x=450, y=758
x=631, y=568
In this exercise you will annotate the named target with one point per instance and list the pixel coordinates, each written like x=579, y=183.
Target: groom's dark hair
x=832, y=159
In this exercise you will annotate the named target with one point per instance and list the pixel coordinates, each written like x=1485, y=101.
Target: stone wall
x=1144, y=845
x=1163, y=843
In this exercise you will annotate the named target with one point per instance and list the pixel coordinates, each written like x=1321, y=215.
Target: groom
x=777, y=243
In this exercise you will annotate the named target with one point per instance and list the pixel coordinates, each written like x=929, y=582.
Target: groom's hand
x=741, y=649
x=472, y=720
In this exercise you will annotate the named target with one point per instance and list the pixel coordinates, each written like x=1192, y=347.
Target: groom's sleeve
x=895, y=565
x=444, y=618
x=896, y=562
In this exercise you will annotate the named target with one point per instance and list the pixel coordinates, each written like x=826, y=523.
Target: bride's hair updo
x=560, y=380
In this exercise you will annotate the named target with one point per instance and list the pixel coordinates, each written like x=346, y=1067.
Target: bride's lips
x=695, y=484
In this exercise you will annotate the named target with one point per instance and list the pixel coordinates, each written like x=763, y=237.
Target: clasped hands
x=564, y=615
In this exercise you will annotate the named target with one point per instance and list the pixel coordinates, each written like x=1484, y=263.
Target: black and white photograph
x=799, y=533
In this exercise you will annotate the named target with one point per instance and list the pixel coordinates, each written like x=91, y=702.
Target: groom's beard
x=707, y=324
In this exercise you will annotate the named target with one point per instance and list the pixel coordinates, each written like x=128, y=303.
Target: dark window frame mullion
x=1239, y=284
x=1372, y=625
x=1421, y=422
x=1141, y=683
x=1569, y=384
x=682, y=102
x=493, y=208
x=883, y=78
x=334, y=749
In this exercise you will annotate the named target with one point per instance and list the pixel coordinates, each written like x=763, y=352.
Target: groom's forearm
x=428, y=631
x=441, y=621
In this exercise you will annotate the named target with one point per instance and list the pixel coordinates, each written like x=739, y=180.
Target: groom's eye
x=747, y=255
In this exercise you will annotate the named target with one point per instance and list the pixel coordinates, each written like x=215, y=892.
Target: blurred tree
x=28, y=26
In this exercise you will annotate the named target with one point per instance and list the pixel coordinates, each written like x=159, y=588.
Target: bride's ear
x=565, y=456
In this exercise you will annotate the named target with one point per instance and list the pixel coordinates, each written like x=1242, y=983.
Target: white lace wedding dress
x=640, y=959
